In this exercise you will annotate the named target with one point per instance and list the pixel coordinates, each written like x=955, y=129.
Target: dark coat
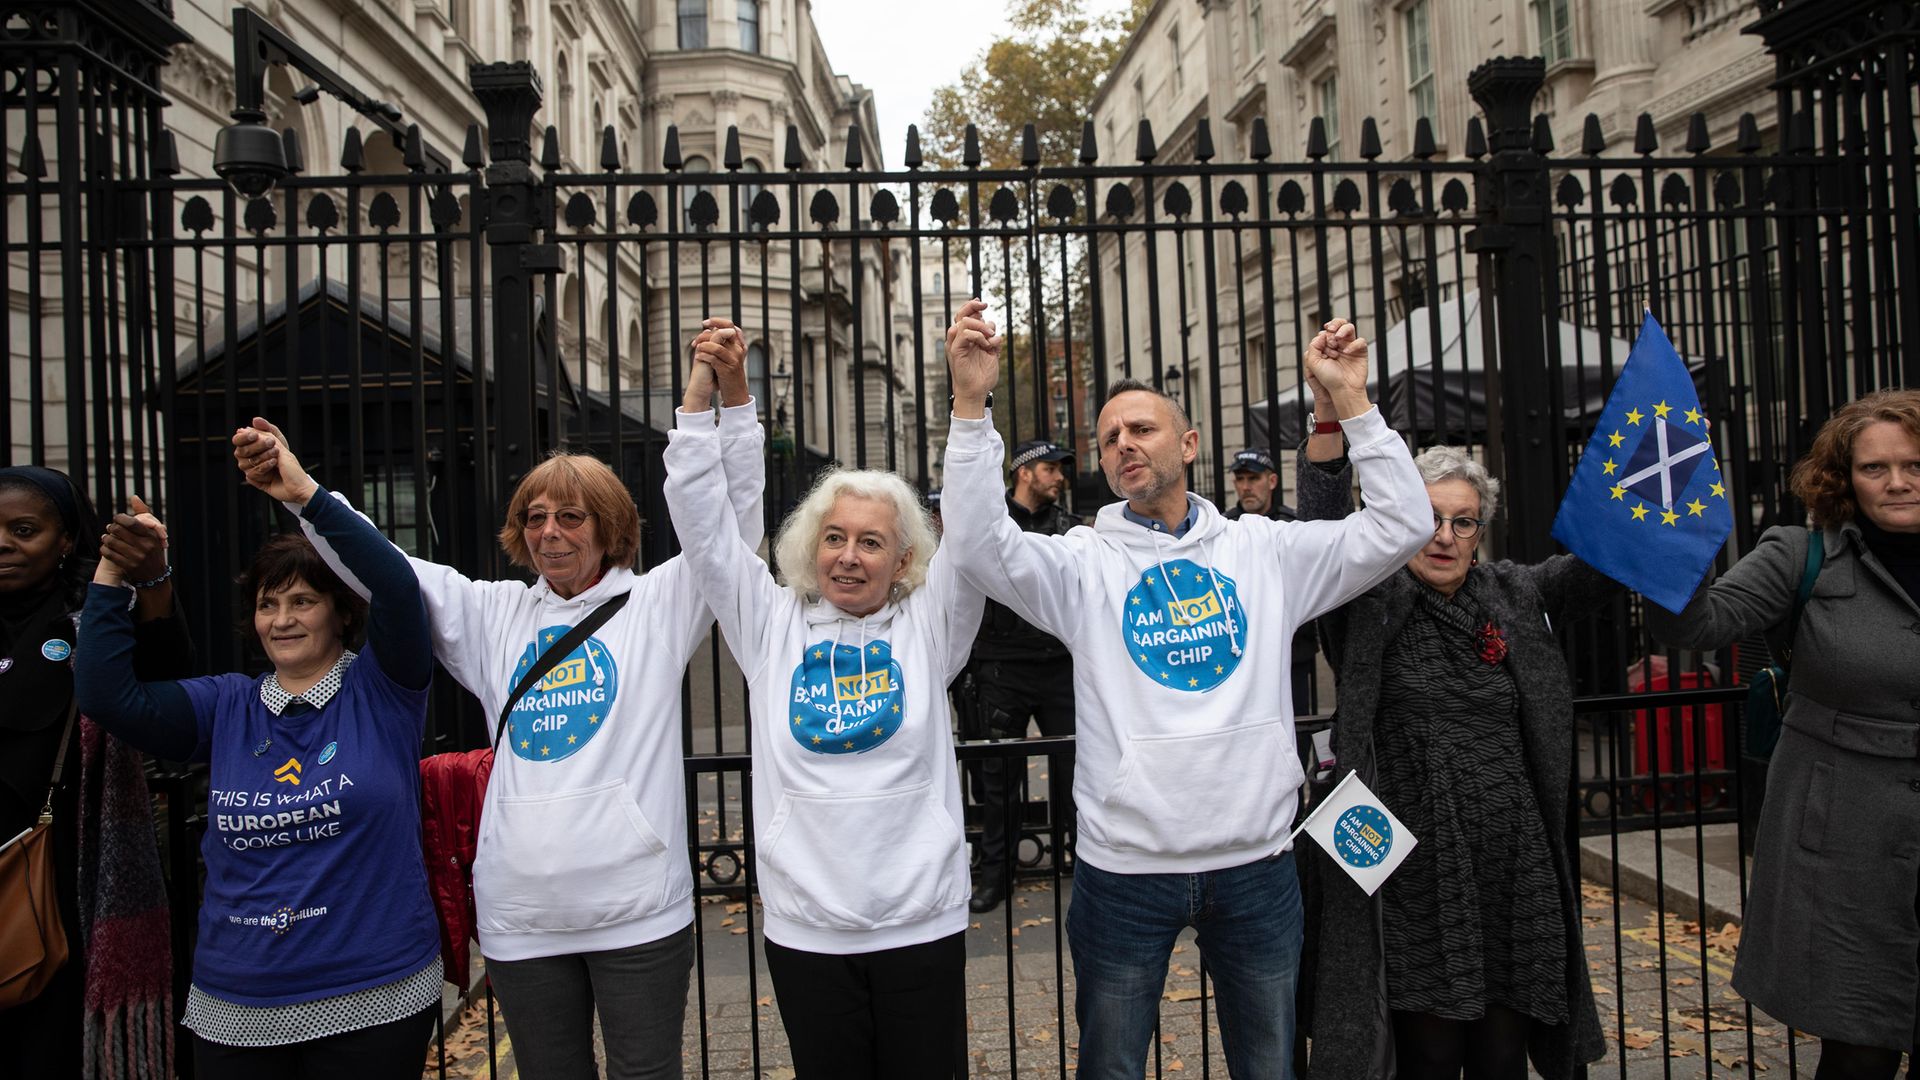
x=1830, y=944
x=1352, y=1034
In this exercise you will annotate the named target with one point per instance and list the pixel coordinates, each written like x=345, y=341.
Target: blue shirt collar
x=1193, y=517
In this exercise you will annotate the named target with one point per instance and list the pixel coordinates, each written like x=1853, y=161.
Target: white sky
x=905, y=49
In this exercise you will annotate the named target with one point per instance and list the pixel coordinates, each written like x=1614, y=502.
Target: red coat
x=452, y=789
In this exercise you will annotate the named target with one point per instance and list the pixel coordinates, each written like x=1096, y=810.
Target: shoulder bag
x=33, y=941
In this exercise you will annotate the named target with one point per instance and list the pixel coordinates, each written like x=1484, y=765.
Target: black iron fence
x=425, y=328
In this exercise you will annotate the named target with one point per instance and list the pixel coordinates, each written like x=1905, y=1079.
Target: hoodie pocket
x=1213, y=791
x=862, y=861
x=569, y=861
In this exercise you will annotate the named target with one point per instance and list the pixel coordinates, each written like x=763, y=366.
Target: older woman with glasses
x=1456, y=708
x=581, y=883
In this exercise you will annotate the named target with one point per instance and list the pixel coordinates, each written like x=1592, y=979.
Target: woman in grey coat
x=1456, y=708
x=1831, y=945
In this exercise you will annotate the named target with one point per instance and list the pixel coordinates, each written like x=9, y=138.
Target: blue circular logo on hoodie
x=1184, y=627
x=569, y=705
x=847, y=699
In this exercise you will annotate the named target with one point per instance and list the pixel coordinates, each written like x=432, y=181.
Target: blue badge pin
x=327, y=752
x=262, y=748
x=56, y=650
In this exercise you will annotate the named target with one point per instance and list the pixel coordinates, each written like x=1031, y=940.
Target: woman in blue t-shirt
x=318, y=946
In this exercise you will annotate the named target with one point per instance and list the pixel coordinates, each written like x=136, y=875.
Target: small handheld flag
x=1647, y=505
x=1361, y=834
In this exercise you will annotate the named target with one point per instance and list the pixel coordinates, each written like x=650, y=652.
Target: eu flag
x=1647, y=506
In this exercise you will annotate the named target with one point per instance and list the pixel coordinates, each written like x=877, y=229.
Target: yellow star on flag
x=1640, y=513
x=593, y=718
x=1193, y=682
x=1618, y=492
x=1693, y=416
x=1608, y=466
x=1696, y=508
x=524, y=744
x=1718, y=491
x=816, y=740
x=1136, y=601
x=1634, y=416
x=1218, y=670
x=1150, y=580
x=1661, y=410
x=1143, y=658
x=796, y=721
x=1615, y=439
x=1166, y=675
x=1670, y=517
x=571, y=739
x=1176, y=571
x=896, y=709
x=848, y=745
x=874, y=649
x=545, y=750
x=879, y=731
x=817, y=654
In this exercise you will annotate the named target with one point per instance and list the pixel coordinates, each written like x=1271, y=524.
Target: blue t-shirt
x=315, y=883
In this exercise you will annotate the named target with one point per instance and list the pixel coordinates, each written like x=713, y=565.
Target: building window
x=522, y=33
x=1556, y=30
x=1420, y=81
x=1328, y=90
x=1139, y=98
x=1173, y=40
x=749, y=19
x=757, y=373
x=693, y=24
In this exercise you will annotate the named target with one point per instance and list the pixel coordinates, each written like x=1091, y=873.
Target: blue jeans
x=1121, y=928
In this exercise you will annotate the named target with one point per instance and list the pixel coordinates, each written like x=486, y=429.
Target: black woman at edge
x=318, y=951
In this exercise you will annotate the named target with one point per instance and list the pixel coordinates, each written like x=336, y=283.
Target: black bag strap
x=1816, y=554
x=556, y=652
x=60, y=759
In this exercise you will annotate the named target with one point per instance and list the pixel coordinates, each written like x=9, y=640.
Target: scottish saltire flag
x=1361, y=834
x=1647, y=506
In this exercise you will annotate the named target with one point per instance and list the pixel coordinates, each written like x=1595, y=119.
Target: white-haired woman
x=1456, y=708
x=861, y=859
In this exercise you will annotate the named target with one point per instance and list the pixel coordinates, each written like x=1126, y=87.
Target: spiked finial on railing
x=1542, y=135
x=1645, y=139
x=1370, y=148
x=353, y=152
x=670, y=153
x=855, y=156
x=1143, y=146
x=290, y=149
x=166, y=155
x=1747, y=138
x=1698, y=141
x=550, y=151
x=1476, y=146
x=1424, y=146
x=913, y=159
x=1029, y=147
x=33, y=160
x=471, y=154
x=792, y=158
x=413, y=153
x=609, y=149
x=1317, y=138
x=1260, y=146
x=1593, y=140
x=970, y=148
x=1800, y=132
x=1203, y=140
x=730, y=156
x=1089, y=144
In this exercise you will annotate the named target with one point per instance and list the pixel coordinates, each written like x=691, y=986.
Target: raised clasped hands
x=134, y=547
x=719, y=361
x=973, y=358
x=1336, y=369
x=261, y=452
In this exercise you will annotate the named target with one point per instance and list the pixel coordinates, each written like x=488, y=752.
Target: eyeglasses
x=1464, y=528
x=569, y=518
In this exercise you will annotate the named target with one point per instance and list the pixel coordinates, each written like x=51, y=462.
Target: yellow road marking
x=1650, y=936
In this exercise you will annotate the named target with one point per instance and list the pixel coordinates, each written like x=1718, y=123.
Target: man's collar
x=1193, y=518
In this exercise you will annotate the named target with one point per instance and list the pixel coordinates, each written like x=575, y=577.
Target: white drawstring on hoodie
x=1233, y=627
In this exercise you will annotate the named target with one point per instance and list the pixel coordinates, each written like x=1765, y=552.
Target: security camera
x=307, y=95
x=249, y=156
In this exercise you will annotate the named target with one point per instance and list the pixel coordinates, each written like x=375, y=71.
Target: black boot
x=987, y=894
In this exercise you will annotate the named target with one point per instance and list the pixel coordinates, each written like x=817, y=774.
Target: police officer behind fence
x=1257, y=487
x=1018, y=673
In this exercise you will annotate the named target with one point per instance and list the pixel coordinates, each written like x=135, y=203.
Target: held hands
x=1336, y=368
x=719, y=359
x=264, y=459
x=973, y=359
x=134, y=547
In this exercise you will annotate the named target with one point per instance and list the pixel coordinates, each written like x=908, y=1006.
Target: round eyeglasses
x=1464, y=528
x=567, y=517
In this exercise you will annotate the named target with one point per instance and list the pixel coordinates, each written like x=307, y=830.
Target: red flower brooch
x=1493, y=644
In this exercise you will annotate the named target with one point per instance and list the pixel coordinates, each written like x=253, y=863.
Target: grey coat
x=1351, y=1029
x=1830, y=945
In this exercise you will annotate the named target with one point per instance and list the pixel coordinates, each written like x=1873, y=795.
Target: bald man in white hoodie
x=1179, y=622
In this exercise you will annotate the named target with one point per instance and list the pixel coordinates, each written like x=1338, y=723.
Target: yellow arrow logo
x=288, y=773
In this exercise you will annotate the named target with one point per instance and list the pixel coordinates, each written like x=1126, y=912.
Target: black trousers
x=875, y=1016
x=1012, y=692
x=396, y=1050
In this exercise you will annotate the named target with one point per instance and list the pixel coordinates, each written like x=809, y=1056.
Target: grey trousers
x=641, y=995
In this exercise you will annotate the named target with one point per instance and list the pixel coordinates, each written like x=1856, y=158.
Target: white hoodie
x=857, y=819
x=1185, y=757
x=583, y=835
